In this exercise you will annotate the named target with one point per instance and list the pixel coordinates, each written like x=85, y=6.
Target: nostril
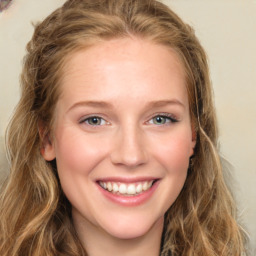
x=129, y=156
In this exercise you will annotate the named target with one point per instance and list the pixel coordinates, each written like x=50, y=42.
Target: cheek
x=174, y=153
x=77, y=153
x=77, y=156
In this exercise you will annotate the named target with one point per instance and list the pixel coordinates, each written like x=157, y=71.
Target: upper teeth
x=126, y=189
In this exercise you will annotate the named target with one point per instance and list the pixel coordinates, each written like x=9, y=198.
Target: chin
x=133, y=228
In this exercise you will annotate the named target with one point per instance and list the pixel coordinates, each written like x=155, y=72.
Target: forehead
x=136, y=64
x=122, y=49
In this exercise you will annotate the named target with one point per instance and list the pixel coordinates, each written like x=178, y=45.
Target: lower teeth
x=118, y=193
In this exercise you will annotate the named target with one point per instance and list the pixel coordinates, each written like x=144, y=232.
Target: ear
x=47, y=147
x=194, y=135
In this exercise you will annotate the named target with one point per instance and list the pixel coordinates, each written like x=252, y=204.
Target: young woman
x=113, y=145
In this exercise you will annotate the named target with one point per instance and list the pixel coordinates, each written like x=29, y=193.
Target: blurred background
x=226, y=29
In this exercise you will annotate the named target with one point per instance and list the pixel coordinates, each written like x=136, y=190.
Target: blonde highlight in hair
x=35, y=214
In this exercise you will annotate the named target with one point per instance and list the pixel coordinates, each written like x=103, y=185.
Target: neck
x=97, y=242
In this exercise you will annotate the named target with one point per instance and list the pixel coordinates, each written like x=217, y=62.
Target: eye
x=94, y=121
x=162, y=119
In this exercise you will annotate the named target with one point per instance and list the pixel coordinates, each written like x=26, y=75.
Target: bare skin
x=122, y=122
x=106, y=244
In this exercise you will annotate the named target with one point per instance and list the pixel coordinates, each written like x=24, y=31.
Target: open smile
x=127, y=189
x=128, y=193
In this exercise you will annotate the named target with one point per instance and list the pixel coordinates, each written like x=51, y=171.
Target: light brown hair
x=35, y=216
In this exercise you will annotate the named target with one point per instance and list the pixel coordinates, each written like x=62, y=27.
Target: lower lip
x=130, y=200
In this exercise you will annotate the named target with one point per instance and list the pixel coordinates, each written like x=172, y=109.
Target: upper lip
x=127, y=179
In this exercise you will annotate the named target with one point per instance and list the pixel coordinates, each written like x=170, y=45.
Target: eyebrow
x=162, y=103
x=103, y=104
x=96, y=104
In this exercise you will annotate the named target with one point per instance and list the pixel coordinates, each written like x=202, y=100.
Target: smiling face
x=122, y=136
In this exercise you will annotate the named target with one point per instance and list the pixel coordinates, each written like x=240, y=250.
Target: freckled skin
x=127, y=74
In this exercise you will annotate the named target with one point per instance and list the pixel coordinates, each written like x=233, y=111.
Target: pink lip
x=127, y=180
x=129, y=200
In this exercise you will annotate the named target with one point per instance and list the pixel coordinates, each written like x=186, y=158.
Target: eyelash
x=87, y=119
x=167, y=117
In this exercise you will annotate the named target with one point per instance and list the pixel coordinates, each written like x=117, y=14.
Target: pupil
x=95, y=120
x=159, y=120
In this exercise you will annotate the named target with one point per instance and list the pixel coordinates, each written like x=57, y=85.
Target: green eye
x=160, y=120
x=95, y=120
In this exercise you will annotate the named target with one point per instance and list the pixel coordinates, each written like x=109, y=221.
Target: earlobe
x=47, y=149
x=194, y=135
x=193, y=147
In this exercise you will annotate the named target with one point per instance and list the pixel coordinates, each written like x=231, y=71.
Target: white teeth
x=122, y=189
x=139, y=188
x=131, y=190
x=103, y=185
x=109, y=186
x=145, y=186
x=115, y=187
x=126, y=189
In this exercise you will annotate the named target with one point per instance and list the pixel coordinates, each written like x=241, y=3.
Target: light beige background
x=227, y=30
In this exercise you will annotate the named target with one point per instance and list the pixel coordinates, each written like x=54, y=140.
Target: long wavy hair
x=35, y=216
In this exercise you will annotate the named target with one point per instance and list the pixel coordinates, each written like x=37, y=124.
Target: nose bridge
x=129, y=148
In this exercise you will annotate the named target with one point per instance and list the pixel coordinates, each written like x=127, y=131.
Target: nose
x=129, y=148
